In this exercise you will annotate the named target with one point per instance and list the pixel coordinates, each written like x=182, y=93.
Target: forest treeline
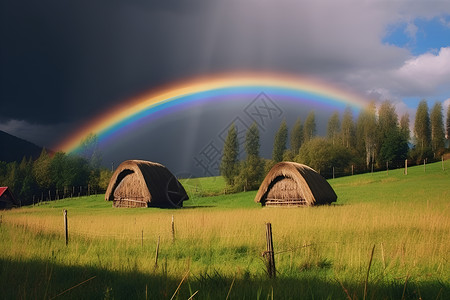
x=377, y=139
x=57, y=176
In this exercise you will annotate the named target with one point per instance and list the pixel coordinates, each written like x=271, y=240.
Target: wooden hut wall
x=130, y=192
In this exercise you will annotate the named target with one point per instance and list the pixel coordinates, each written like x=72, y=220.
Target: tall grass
x=320, y=252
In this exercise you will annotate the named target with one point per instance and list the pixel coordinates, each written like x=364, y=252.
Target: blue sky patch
x=430, y=35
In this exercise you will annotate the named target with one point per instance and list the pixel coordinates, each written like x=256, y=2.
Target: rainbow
x=204, y=89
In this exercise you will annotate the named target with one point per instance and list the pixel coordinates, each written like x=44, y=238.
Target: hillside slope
x=14, y=149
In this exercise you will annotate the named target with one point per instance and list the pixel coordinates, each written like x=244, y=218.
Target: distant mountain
x=13, y=148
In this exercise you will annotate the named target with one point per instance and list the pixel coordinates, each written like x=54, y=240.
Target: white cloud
x=424, y=74
x=444, y=22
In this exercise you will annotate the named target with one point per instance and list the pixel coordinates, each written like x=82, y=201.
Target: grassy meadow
x=216, y=253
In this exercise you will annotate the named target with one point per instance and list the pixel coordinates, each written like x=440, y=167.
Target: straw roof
x=294, y=184
x=138, y=183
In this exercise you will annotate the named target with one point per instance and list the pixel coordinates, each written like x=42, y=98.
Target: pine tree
x=437, y=129
x=348, y=129
x=279, y=145
x=229, y=165
x=333, y=128
x=404, y=126
x=422, y=128
x=389, y=135
x=252, y=141
x=309, y=129
x=251, y=172
x=296, y=137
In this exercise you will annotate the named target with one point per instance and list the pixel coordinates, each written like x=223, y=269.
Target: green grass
x=321, y=252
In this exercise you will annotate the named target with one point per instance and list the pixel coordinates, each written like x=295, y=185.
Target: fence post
x=173, y=230
x=65, y=226
x=443, y=168
x=424, y=166
x=333, y=172
x=352, y=170
x=269, y=252
x=157, y=252
x=387, y=167
x=406, y=167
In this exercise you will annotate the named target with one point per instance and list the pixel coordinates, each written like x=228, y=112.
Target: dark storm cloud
x=63, y=61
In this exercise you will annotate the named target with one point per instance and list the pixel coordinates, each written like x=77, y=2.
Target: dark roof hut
x=138, y=183
x=7, y=200
x=293, y=184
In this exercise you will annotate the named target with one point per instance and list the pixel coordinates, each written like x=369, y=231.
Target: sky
x=63, y=63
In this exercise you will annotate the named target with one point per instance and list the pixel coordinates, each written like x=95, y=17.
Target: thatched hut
x=138, y=183
x=293, y=184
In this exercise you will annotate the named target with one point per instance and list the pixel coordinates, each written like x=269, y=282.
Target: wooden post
x=406, y=167
x=65, y=226
x=333, y=172
x=352, y=170
x=157, y=252
x=443, y=168
x=387, y=167
x=372, y=168
x=142, y=238
x=424, y=166
x=269, y=252
x=173, y=230
x=73, y=191
x=49, y=196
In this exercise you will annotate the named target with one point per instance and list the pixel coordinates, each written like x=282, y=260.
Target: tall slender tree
x=296, y=137
x=279, y=145
x=309, y=129
x=422, y=128
x=404, y=126
x=387, y=118
x=437, y=129
x=448, y=124
x=348, y=129
x=229, y=165
x=333, y=128
x=41, y=170
x=367, y=133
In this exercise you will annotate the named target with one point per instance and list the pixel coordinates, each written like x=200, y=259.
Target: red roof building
x=7, y=200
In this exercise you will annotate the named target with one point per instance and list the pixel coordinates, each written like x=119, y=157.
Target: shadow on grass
x=48, y=280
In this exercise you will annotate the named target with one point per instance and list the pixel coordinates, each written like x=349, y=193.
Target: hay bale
x=294, y=184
